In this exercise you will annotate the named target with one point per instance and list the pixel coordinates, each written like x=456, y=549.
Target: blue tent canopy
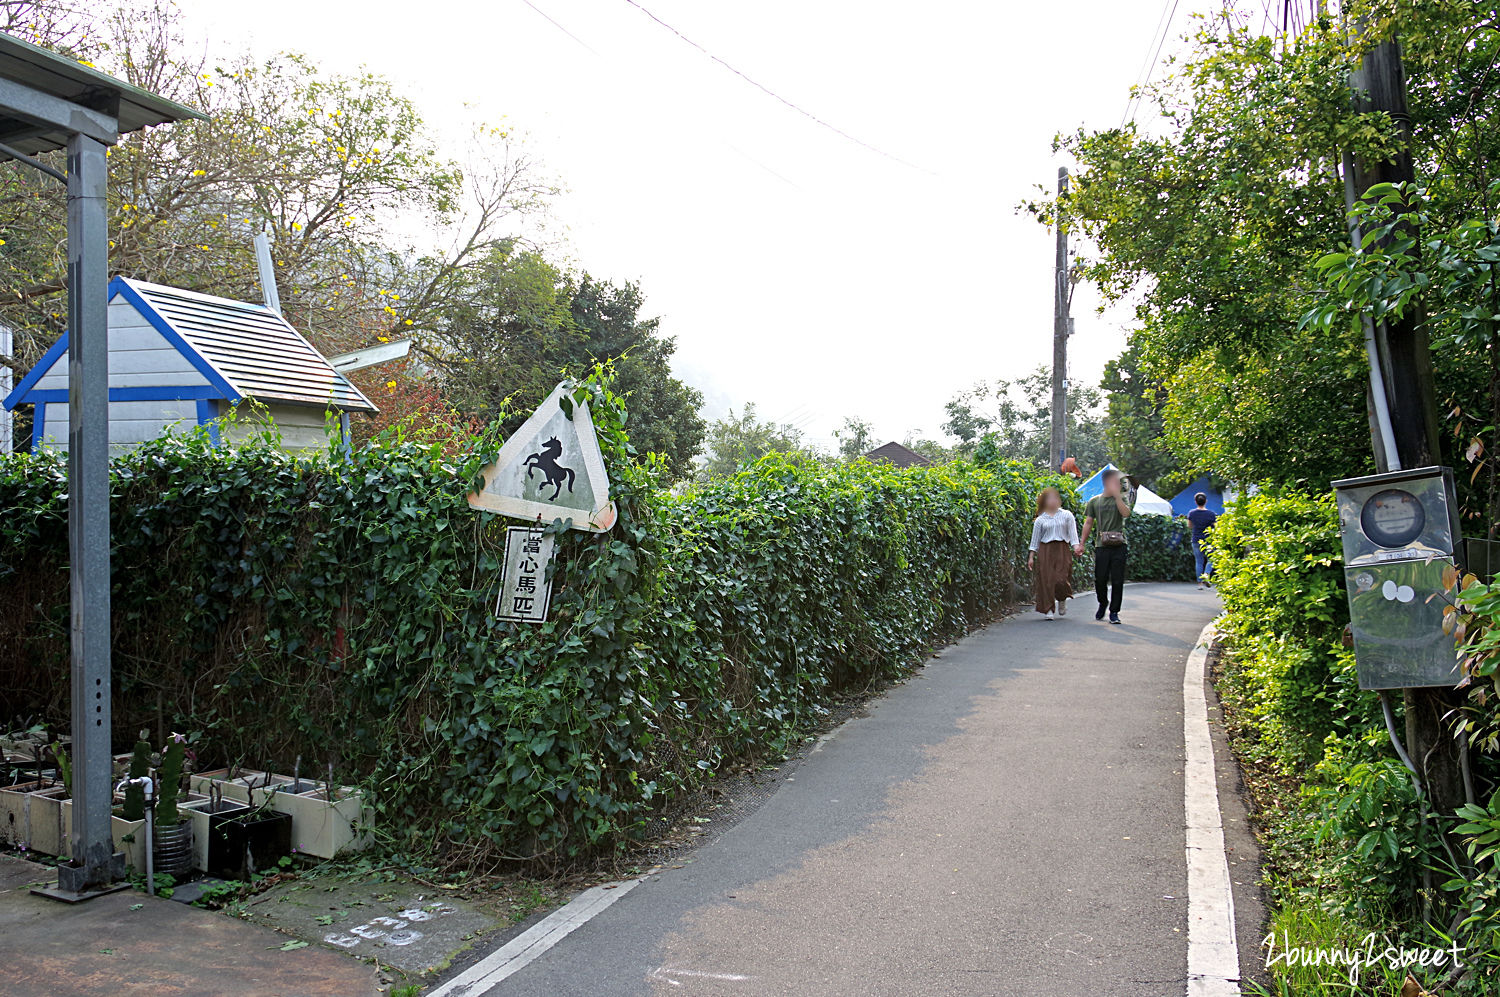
x=1182, y=502
x=1095, y=484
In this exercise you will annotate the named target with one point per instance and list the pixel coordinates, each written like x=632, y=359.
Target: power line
x=772, y=93
x=559, y=27
x=1139, y=73
x=599, y=55
x=1156, y=59
x=1166, y=29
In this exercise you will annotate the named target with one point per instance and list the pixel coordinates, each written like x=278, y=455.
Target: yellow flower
x=391, y=385
x=200, y=173
x=383, y=339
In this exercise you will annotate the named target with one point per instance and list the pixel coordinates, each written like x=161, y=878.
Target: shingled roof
x=253, y=348
x=895, y=453
x=236, y=349
x=58, y=76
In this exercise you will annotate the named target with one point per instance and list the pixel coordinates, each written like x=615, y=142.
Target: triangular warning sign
x=551, y=468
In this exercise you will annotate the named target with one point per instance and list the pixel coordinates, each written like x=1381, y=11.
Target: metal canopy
x=45, y=97
x=49, y=102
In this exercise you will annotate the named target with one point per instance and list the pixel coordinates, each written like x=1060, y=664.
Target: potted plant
x=327, y=819
x=31, y=815
x=235, y=783
x=206, y=814
x=247, y=841
x=172, y=848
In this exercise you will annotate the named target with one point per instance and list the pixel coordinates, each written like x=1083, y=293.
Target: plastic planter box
x=120, y=829
x=237, y=788
x=320, y=826
x=205, y=814
x=249, y=842
x=31, y=816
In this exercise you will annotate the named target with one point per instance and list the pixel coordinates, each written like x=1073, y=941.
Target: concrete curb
x=1213, y=952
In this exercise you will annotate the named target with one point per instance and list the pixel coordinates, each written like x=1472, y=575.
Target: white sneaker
x=1062, y=608
x=1048, y=616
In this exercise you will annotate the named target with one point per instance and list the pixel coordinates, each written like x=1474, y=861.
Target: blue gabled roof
x=244, y=350
x=257, y=351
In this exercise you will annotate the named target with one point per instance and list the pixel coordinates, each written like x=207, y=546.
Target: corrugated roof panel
x=255, y=349
x=59, y=76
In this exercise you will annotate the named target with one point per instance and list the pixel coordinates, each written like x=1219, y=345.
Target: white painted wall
x=300, y=427
x=139, y=356
x=130, y=423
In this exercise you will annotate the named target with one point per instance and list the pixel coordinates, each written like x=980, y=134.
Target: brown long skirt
x=1054, y=575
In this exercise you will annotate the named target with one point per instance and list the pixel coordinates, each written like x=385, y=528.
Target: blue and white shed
x=178, y=357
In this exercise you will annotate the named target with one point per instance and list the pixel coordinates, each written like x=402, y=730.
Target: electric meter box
x=1400, y=533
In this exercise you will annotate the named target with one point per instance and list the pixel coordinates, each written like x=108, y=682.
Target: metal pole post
x=1060, y=328
x=1379, y=84
x=267, y=270
x=95, y=864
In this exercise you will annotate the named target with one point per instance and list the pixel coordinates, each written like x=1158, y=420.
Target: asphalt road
x=1009, y=821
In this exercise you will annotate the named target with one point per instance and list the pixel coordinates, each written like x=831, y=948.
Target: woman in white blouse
x=1053, y=536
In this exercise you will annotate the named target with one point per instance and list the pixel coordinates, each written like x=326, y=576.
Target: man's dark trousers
x=1109, y=575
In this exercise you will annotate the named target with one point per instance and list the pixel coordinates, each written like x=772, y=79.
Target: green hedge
x=1161, y=548
x=1278, y=565
x=338, y=609
x=1347, y=841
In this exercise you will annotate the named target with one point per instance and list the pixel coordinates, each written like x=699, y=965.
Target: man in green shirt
x=1108, y=513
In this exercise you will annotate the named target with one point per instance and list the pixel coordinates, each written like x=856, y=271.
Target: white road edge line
x=533, y=943
x=1213, y=952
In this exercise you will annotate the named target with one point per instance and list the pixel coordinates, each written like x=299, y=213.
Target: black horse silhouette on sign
x=553, y=472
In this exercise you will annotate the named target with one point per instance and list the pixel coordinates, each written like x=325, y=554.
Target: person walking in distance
x=1054, y=534
x=1104, y=518
x=1202, y=519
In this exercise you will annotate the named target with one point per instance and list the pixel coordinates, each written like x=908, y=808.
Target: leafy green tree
x=663, y=410
x=501, y=343
x=501, y=346
x=854, y=438
x=1211, y=225
x=1016, y=417
x=737, y=440
x=322, y=161
x=1133, y=429
x=1450, y=279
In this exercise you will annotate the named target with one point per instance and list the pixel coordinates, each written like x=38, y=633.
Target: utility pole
x=1060, y=328
x=1379, y=85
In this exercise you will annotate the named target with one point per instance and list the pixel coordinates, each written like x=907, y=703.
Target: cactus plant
x=140, y=765
x=169, y=782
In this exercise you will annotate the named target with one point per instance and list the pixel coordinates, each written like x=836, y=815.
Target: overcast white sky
x=797, y=269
